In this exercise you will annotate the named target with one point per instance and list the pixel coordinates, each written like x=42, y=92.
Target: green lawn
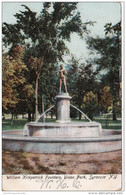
x=19, y=123
x=109, y=124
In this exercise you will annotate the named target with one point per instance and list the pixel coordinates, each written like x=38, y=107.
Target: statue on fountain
x=62, y=99
x=62, y=72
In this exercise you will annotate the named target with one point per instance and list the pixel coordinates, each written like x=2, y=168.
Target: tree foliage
x=44, y=35
x=8, y=97
x=14, y=86
x=109, y=59
x=31, y=70
x=90, y=104
x=106, y=98
x=81, y=80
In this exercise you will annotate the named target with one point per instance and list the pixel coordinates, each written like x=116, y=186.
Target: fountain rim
x=63, y=139
x=64, y=124
x=60, y=145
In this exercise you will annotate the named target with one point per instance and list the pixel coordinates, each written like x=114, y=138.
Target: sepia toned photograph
x=62, y=95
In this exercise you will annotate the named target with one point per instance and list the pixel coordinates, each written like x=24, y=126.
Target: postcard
x=62, y=102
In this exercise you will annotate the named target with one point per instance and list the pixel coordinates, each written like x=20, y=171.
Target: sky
x=100, y=12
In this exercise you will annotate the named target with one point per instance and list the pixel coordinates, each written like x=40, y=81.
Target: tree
x=13, y=81
x=47, y=87
x=35, y=65
x=90, y=105
x=108, y=59
x=44, y=35
x=81, y=79
x=8, y=91
x=106, y=98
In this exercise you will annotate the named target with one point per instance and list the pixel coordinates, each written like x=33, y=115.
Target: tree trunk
x=80, y=112
x=43, y=117
x=12, y=119
x=114, y=112
x=114, y=115
x=38, y=71
x=29, y=115
x=36, y=97
x=51, y=115
x=32, y=116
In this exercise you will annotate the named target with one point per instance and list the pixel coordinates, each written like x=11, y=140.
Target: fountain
x=63, y=135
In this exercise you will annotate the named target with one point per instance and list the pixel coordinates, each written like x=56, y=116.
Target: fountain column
x=62, y=107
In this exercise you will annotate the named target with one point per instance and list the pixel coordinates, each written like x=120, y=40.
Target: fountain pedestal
x=63, y=108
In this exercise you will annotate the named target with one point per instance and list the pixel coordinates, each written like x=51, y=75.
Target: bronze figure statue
x=62, y=72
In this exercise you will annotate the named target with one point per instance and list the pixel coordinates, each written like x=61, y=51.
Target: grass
x=19, y=123
x=109, y=124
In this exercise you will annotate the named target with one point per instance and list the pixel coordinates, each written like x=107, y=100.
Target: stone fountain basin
x=110, y=140
x=70, y=129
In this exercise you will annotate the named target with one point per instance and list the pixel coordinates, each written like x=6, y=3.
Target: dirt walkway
x=29, y=163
